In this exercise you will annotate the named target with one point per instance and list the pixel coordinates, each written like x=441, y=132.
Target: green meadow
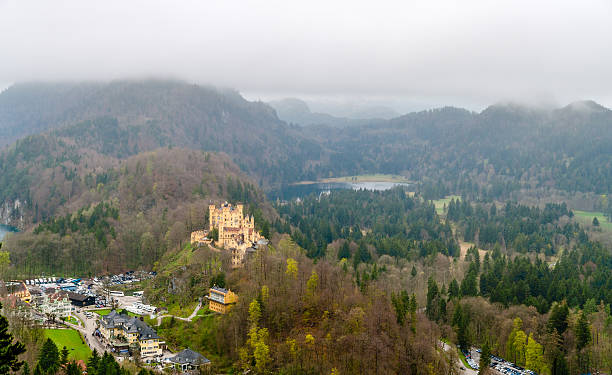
x=440, y=203
x=72, y=340
x=586, y=218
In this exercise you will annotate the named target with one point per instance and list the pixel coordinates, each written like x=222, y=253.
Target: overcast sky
x=428, y=53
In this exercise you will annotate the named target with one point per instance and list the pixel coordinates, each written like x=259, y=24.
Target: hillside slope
x=503, y=148
x=490, y=154
x=130, y=214
x=155, y=113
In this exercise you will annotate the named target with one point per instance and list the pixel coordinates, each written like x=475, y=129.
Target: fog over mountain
x=433, y=53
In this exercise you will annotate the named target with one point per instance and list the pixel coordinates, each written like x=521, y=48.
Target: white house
x=57, y=304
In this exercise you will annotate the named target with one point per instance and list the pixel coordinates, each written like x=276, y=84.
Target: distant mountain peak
x=585, y=106
x=291, y=105
x=517, y=107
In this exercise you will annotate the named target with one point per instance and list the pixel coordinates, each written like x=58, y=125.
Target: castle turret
x=212, y=216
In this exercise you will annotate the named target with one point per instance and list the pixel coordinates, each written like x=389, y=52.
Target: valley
x=356, y=247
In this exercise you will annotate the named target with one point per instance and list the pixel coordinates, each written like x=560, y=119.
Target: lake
x=289, y=192
x=4, y=229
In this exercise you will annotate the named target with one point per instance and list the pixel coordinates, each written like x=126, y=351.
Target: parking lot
x=498, y=365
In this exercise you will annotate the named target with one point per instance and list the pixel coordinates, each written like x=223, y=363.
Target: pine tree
x=469, y=285
x=72, y=368
x=485, y=359
x=344, y=251
x=595, y=222
x=433, y=294
x=583, y=332
x=64, y=356
x=48, y=358
x=558, y=318
x=453, y=289
x=92, y=362
x=265, y=230
x=460, y=322
x=412, y=307
x=362, y=255
x=9, y=350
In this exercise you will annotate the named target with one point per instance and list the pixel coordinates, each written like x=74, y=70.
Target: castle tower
x=212, y=212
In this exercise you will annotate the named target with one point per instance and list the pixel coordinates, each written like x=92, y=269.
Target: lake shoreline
x=301, y=190
x=4, y=229
x=356, y=179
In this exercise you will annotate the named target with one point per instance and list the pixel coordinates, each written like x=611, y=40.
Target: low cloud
x=427, y=52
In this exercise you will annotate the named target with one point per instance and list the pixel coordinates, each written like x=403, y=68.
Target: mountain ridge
x=503, y=148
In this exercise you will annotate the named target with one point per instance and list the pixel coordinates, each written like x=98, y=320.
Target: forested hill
x=144, y=115
x=127, y=215
x=487, y=154
x=481, y=155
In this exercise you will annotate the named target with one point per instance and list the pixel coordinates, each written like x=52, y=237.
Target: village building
x=56, y=303
x=37, y=295
x=126, y=334
x=81, y=300
x=221, y=300
x=187, y=360
x=18, y=289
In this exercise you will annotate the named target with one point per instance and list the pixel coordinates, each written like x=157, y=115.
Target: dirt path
x=187, y=319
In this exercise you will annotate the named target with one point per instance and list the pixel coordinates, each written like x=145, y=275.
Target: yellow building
x=19, y=290
x=221, y=300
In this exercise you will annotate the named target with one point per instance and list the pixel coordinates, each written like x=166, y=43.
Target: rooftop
x=219, y=289
x=188, y=356
x=129, y=324
x=77, y=296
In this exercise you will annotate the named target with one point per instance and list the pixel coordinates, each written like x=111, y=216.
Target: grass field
x=586, y=218
x=72, y=340
x=439, y=203
x=107, y=311
x=182, y=311
x=72, y=320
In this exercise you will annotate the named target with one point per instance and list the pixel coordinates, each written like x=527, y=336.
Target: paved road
x=90, y=326
x=462, y=369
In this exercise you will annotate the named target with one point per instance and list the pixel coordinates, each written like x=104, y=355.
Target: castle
x=236, y=232
x=234, y=229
